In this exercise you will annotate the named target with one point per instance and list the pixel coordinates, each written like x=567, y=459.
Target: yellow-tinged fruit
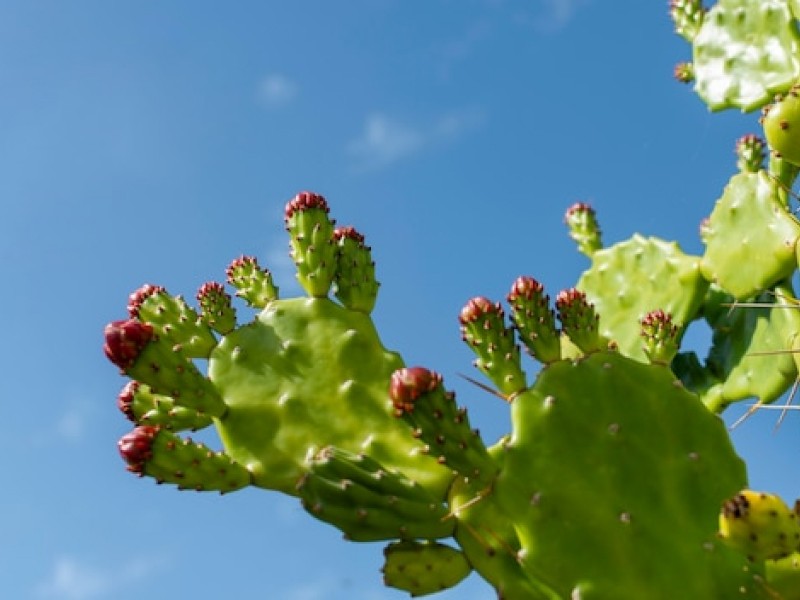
x=760, y=525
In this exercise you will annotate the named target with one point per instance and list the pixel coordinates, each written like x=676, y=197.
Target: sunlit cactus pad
x=745, y=51
x=607, y=455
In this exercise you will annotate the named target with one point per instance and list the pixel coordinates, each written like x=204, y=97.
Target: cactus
x=617, y=478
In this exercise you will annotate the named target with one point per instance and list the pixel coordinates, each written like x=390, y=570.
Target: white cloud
x=72, y=579
x=385, y=140
x=558, y=13
x=276, y=90
x=72, y=425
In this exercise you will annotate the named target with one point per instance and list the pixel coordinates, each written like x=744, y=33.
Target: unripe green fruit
x=782, y=126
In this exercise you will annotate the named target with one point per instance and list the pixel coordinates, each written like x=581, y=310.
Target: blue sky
x=156, y=141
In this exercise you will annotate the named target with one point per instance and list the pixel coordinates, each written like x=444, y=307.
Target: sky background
x=156, y=141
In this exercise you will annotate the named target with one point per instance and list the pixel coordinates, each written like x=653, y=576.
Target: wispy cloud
x=276, y=90
x=556, y=14
x=73, y=579
x=385, y=140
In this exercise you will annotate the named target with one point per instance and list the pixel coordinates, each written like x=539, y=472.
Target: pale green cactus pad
x=750, y=237
x=634, y=277
x=745, y=52
x=306, y=374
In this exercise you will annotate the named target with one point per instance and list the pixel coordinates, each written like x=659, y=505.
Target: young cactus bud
x=252, y=283
x=143, y=407
x=167, y=458
x=687, y=16
x=534, y=319
x=781, y=123
x=422, y=568
x=750, y=153
x=368, y=502
x=172, y=318
x=419, y=398
x=312, y=247
x=133, y=347
x=660, y=337
x=579, y=320
x=125, y=341
x=216, y=309
x=355, y=285
x=584, y=228
x=760, y=525
x=483, y=329
x=684, y=72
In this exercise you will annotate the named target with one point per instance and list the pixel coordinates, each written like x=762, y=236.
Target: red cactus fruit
x=478, y=307
x=524, y=287
x=408, y=384
x=347, y=232
x=125, y=340
x=125, y=399
x=305, y=201
x=136, y=447
x=138, y=297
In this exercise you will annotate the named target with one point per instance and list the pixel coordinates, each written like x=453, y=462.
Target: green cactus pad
x=534, y=319
x=368, y=502
x=783, y=576
x=253, y=284
x=751, y=347
x=750, y=237
x=144, y=407
x=745, y=52
x=172, y=318
x=216, y=309
x=169, y=372
x=484, y=330
x=355, y=285
x=422, y=568
x=306, y=374
x=634, y=277
x=168, y=458
x=608, y=460
x=311, y=241
x=421, y=400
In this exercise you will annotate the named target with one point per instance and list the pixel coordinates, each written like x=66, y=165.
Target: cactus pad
x=745, y=52
x=306, y=374
x=634, y=277
x=605, y=449
x=750, y=237
x=749, y=355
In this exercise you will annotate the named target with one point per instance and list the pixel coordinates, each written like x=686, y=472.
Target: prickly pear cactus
x=617, y=479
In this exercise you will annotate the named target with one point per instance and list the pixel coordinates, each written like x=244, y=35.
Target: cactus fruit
x=423, y=568
x=781, y=123
x=584, y=228
x=750, y=153
x=760, y=525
